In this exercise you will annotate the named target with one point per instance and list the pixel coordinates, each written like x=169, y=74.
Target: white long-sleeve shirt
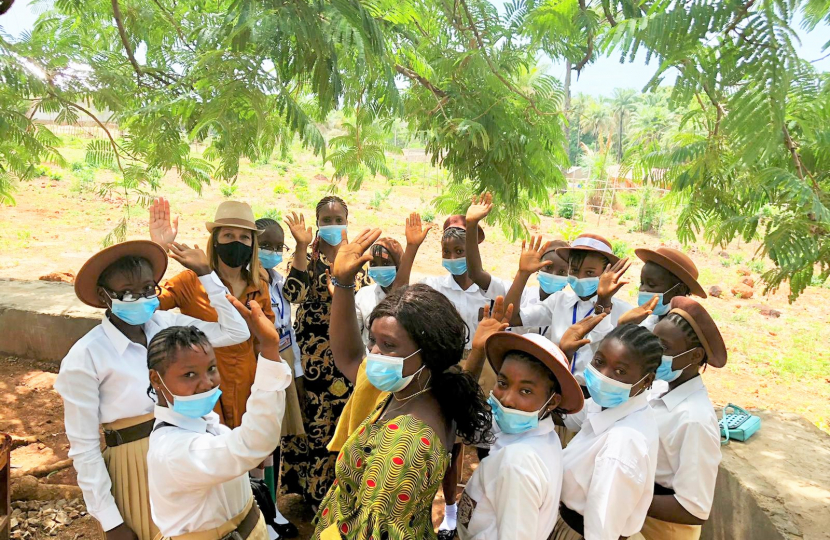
x=104, y=378
x=609, y=467
x=689, y=445
x=198, y=468
x=560, y=311
x=365, y=300
x=282, y=319
x=514, y=492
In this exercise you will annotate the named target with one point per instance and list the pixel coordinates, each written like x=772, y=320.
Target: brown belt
x=575, y=520
x=130, y=434
x=244, y=530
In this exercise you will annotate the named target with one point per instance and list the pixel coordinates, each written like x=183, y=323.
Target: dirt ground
x=779, y=353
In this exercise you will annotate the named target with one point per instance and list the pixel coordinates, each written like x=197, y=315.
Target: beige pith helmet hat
x=233, y=214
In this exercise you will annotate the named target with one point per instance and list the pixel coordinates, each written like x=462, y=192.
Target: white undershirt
x=365, y=300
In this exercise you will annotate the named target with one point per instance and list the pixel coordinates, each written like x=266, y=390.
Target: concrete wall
x=40, y=319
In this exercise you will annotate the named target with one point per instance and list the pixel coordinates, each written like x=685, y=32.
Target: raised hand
x=260, y=326
x=302, y=234
x=480, y=208
x=610, y=282
x=496, y=321
x=531, y=258
x=640, y=313
x=191, y=258
x=574, y=337
x=415, y=232
x=352, y=256
x=162, y=230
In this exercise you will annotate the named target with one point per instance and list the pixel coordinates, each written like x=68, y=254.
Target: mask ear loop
x=170, y=401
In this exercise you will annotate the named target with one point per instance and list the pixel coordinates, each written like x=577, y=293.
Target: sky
x=597, y=79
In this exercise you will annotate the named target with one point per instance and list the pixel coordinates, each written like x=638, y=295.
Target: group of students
x=589, y=415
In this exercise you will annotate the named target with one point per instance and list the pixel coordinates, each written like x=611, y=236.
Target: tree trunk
x=620, y=152
x=568, y=70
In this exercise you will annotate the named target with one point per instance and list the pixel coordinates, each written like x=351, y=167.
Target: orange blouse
x=236, y=363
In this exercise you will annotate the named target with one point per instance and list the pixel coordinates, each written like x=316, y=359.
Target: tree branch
x=590, y=52
x=114, y=145
x=799, y=165
x=408, y=73
x=606, y=9
x=174, y=24
x=116, y=12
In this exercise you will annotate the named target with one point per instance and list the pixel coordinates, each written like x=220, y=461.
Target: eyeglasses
x=275, y=249
x=129, y=296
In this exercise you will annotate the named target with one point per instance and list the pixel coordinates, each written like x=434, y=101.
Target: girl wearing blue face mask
x=103, y=379
x=666, y=274
x=307, y=465
x=610, y=464
x=198, y=468
x=514, y=493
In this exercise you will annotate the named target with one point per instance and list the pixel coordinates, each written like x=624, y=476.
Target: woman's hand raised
x=352, y=256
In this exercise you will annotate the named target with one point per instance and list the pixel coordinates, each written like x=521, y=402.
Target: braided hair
x=435, y=326
x=164, y=345
x=641, y=343
x=454, y=232
x=264, y=223
x=127, y=265
x=325, y=201
x=688, y=332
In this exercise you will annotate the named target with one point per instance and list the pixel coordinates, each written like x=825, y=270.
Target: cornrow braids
x=689, y=332
x=264, y=223
x=315, y=245
x=331, y=199
x=128, y=265
x=454, y=232
x=577, y=257
x=644, y=345
x=163, y=347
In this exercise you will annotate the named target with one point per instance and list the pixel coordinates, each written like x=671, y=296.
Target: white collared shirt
x=104, y=378
x=365, y=300
x=689, y=445
x=515, y=490
x=530, y=297
x=609, y=467
x=282, y=317
x=650, y=322
x=198, y=468
x=469, y=303
x=560, y=311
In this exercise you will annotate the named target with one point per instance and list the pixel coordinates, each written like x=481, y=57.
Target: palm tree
x=623, y=103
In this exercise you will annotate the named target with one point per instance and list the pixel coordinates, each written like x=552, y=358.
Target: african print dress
x=307, y=465
x=387, y=476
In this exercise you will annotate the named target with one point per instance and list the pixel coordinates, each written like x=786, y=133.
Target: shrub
x=737, y=258
x=548, y=211
x=568, y=205
x=273, y=213
x=280, y=189
x=621, y=249
x=569, y=231
x=77, y=166
x=756, y=265
x=428, y=215
x=228, y=190
x=629, y=199
x=649, y=215
x=379, y=198
x=83, y=180
x=299, y=181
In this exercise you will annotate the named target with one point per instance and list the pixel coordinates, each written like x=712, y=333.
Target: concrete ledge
x=41, y=319
x=776, y=486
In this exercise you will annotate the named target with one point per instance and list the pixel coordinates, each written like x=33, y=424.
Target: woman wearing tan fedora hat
x=689, y=455
x=666, y=274
x=514, y=492
x=104, y=379
x=232, y=252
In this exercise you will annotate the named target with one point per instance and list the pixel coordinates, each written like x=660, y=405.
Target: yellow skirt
x=292, y=421
x=561, y=531
x=127, y=465
x=655, y=529
x=260, y=531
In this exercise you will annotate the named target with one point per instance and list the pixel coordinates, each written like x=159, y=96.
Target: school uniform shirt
x=609, y=467
x=650, y=322
x=198, y=468
x=470, y=303
x=282, y=312
x=514, y=492
x=365, y=300
x=563, y=309
x=530, y=297
x=104, y=378
x=689, y=445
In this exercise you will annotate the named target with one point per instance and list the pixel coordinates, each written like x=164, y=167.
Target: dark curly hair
x=438, y=330
x=162, y=348
x=641, y=343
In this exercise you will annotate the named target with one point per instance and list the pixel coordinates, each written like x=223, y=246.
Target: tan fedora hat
x=704, y=326
x=676, y=262
x=541, y=348
x=234, y=214
x=86, y=284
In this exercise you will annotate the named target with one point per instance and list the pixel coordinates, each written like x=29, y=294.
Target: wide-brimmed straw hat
x=86, y=284
x=676, y=262
x=705, y=328
x=592, y=243
x=459, y=221
x=234, y=214
x=501, y=343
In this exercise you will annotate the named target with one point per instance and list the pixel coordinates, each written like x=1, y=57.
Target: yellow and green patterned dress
x=387, y=475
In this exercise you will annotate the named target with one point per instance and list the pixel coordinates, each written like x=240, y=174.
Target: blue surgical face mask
x=661, y=308
x=383, y=275
x=606, y=392
x=269, y=259
x=514, y=421
x=551, y=283
x=195, y=406
x=585, y=287
x=455, y=267
x=332, y=234
x=386, y=372
x=135, y=313
x=665, y=371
